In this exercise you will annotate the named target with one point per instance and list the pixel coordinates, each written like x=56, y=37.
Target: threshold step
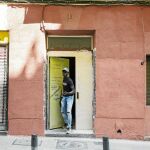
x=74, y=133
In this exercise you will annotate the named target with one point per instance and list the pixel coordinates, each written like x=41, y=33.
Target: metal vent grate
x=3, y=87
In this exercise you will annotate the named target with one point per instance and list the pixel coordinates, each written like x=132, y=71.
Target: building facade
x=107, y=49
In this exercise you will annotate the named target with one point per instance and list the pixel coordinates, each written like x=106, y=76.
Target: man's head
x=65, y=71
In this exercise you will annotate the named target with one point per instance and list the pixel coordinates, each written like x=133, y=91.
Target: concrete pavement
x=69, y=143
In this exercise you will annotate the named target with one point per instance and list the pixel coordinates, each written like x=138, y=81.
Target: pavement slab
x=8, y=142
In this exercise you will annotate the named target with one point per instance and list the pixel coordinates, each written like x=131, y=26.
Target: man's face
x=65, y=73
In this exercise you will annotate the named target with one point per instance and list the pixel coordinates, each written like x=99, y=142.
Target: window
x=65, y=43
x=147, y=80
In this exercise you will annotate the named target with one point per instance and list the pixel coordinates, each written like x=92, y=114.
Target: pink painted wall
x=26, y=88
x=122, y=38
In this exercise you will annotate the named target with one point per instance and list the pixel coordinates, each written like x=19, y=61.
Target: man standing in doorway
x=67, y=99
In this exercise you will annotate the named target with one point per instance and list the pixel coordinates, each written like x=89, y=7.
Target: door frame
x=69, y=54
x=93, y=50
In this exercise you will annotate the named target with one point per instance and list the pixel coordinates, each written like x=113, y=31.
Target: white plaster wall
x=3, y=17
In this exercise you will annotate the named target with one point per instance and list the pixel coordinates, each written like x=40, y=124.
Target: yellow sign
x=56, y=80
x=4, y=37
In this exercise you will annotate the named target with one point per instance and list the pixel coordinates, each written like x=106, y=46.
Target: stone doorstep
x=74, y=133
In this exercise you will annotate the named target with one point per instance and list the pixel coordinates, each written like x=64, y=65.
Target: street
x=69, y=143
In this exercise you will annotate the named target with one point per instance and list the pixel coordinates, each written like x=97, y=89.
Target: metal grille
x=3, y=87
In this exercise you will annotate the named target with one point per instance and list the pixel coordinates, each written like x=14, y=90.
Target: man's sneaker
x=65, y=126
x=68, y=131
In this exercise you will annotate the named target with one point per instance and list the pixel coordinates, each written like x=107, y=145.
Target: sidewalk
x=65, y=143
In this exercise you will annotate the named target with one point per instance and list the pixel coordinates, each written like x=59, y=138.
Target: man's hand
x=65, y=93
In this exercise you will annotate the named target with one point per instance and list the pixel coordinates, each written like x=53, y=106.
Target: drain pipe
x=34, y=142
x=105, y=143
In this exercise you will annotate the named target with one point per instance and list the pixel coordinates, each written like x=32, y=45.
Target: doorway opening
x=74, y=52
x=56, y=64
